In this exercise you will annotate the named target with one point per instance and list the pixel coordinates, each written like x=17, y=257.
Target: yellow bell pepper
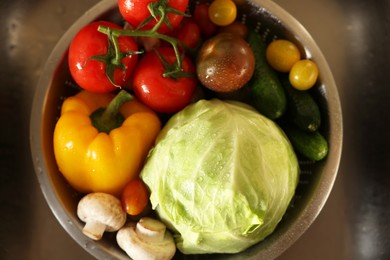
x=94, y=158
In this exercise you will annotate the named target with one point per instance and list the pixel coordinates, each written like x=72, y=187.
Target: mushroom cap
x=137, y=248
x=102, y=208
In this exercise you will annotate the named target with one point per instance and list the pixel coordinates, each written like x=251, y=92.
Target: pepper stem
x=109, y=118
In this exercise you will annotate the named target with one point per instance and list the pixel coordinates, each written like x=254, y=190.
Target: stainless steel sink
x=354, y=37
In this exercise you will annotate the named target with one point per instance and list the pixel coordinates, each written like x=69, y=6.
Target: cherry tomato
x=303, y=74
x=162, y=94
x=225, y=63
x=91, y=74
x=282, y=55
x=222, y=12
x=135, y=197
x=189, y=34
x=236, y=27
x=136, y=11
x=202, y=19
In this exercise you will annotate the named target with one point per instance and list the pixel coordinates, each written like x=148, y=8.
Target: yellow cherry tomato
x=222, y=12
x=303, y=74
x=282, y=55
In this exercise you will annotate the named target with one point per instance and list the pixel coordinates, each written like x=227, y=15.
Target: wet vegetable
x=282, y=55
x=225, y=63
x=99, y=149
x=266, y=92
x=135, y=197
x=202, y=19
x=312, y=145
x=156, y=87
x=303, y=74
x=236, y=27
x=138, y=13
x=222, y=12
x=92, y=63
x=221, y=176
x=302, y=110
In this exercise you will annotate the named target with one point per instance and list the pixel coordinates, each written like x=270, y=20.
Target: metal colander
x=316, y=179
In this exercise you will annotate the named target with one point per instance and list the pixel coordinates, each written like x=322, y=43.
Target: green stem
x=159, y=23
x=118, y=56
x=158, y=10
x=115, y=33
x=109, y=118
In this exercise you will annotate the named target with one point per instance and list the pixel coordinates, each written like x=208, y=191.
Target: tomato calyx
x=174, y=70
x=105, y=119
x=159, y=11
x=112, y=59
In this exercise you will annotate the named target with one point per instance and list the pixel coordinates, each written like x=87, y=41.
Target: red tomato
x=135, y=197
x=136, y=11
x=236, y=28
x=202, y=18
x=91, y=74
x=165, y=95
x=189, y=34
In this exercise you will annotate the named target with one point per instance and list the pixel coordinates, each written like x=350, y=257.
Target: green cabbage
x=221, y=176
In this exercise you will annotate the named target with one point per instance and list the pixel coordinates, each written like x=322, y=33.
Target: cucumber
x=302, y=109
x=265, y=89
x=311, y=145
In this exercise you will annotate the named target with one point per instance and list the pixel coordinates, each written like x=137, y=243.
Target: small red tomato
x=236, y=28
x=136, y=11
x=163, y=94
x=135, y=197
x=202, y=18
x=189, y=34
x=91, y=74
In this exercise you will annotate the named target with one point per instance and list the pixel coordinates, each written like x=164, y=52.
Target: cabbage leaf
x=221, y=176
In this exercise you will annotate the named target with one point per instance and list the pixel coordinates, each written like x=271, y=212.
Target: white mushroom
x=101, y=212
x=146, y=240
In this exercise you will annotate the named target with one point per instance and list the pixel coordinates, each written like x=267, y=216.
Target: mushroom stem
x=146, y=240
x=150, y=230
x=94, y=229
x=101, y=213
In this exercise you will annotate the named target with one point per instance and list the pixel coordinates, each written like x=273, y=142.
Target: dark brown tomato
x=225, y=63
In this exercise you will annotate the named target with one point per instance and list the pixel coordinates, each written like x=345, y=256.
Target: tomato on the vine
x=163, y=94
x=91, y=74
x=135, y=12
